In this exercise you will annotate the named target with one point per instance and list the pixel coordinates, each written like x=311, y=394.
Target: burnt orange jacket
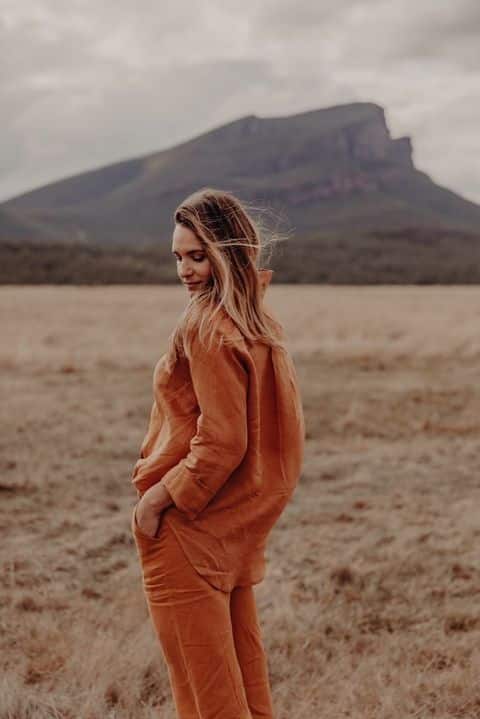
x=226, y=437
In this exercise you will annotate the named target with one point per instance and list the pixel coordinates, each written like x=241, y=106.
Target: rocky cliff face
x=358, y=158
x=370, y=142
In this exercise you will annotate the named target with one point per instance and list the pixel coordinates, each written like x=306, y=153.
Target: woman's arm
x=220, y=380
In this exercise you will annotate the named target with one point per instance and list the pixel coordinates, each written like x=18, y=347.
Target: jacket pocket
x=138, y=531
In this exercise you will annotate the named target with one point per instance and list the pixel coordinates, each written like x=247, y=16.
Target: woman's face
x=193, y=266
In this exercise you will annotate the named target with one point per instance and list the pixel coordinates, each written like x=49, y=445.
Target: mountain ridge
x=333, y=169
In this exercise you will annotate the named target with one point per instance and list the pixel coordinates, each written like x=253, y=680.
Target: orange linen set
x=226, y=437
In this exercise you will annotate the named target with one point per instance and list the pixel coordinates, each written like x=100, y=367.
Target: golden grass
x=370, y=604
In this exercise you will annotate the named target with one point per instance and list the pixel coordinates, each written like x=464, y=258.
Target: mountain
x=331, y=170
x=348, y=196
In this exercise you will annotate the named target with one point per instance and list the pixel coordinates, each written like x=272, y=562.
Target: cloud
x=88, y=83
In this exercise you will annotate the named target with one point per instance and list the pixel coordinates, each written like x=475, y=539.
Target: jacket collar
x=265, y=277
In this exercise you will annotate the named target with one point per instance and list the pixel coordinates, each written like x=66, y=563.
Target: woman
x=219, y=463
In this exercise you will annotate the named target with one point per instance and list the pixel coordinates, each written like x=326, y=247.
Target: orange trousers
x=211, y=640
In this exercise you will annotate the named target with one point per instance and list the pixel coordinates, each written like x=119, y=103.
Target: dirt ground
x=371, y=603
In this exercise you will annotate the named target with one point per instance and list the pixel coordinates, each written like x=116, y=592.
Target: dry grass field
x=371, y=603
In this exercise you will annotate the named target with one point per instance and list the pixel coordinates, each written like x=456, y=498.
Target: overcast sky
x=86, y=83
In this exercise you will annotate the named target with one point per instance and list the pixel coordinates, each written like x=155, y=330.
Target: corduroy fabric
x=211, y=640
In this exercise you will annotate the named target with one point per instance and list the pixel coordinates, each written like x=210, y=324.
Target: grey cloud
x=140, y=113
x=376, y=30
x=449, y=31
x=285, y=16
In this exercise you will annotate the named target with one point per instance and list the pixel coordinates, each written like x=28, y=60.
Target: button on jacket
x=226, y=437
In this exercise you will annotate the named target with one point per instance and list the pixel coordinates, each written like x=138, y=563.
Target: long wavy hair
x=233, y=243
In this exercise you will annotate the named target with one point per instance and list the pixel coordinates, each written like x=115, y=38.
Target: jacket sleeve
x=220, y=381
x=146, y=467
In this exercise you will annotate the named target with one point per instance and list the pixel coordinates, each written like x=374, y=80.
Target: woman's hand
x=150, y=508
x=148, y=518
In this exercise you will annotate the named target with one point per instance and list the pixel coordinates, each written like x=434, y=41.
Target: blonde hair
x=233, y=243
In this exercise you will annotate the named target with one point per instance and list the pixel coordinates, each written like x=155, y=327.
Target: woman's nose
x=185, y=270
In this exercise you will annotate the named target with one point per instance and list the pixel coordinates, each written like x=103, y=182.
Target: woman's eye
x=195, y=259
